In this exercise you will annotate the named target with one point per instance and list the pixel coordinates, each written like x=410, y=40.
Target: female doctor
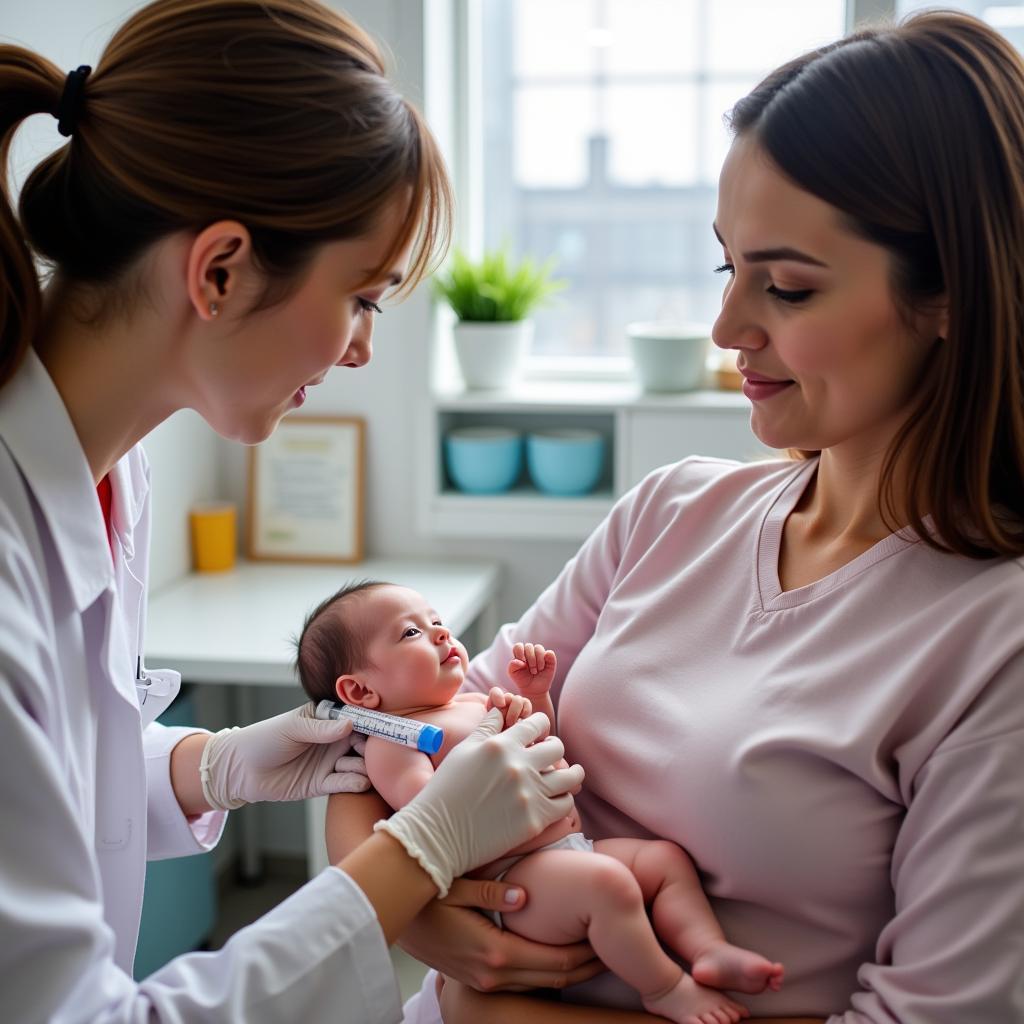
x=241, y=187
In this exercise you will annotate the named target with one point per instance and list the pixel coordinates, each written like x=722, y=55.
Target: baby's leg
x=573, y=895
x=684, y=920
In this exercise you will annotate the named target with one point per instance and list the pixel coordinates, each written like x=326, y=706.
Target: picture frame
x=305, y=491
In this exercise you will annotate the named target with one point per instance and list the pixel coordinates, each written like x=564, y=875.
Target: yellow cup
x=213, y=536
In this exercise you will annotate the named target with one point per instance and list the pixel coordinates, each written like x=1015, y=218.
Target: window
x=1008, y=18
x=603, y=138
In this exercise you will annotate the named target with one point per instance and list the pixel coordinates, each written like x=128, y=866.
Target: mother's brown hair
x=275, y=113
x=915, y=132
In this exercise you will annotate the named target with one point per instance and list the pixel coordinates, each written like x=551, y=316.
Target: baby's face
x=414, y=661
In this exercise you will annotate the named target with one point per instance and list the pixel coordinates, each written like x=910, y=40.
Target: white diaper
x=573, y=841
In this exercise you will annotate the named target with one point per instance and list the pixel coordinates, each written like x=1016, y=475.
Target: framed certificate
x=306, y=491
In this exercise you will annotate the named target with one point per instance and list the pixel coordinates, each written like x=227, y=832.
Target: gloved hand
x=290, y=757
x=491, y=793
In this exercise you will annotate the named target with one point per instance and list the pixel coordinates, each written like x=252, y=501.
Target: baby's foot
x=689, y=1003
x=726, y=966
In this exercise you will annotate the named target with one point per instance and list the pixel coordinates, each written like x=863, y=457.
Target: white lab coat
x=85, y=791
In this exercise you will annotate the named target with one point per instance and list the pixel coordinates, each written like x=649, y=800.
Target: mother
x=810, y=672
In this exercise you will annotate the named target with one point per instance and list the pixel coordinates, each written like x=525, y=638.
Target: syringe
x=405, y=731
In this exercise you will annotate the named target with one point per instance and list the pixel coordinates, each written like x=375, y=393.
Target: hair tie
x=71, y=100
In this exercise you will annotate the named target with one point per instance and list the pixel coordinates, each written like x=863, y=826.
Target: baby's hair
x=329, y=645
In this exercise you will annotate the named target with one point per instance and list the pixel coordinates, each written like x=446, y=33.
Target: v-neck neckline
x=769, y=548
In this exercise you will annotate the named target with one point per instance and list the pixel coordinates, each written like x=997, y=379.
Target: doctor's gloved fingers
x=562, y=782
x=557, y=807
x=344, y=782
x=346, y=764
x=299, y=727
x=528, y=730
x=359, y=743
x=489, y=725
x=545, y=753
x=562, y=763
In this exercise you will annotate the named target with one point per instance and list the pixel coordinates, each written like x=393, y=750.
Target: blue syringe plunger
x=430, y=739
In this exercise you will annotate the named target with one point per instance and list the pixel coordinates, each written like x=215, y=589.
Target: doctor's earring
x=214, y=309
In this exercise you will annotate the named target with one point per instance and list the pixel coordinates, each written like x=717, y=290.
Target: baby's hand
x=515, y=707
x=532, y=669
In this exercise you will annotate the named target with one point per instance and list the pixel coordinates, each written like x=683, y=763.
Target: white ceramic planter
x=491, y=355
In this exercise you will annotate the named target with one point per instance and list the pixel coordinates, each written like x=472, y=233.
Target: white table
x=235, y=628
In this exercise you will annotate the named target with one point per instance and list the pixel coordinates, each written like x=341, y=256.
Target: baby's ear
x=351, y=691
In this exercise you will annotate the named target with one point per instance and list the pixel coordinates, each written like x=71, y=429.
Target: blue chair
x=180, y=902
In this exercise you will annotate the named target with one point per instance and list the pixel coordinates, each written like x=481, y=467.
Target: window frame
x=468, y=167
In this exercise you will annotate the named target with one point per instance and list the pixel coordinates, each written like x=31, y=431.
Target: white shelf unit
x=642, y=430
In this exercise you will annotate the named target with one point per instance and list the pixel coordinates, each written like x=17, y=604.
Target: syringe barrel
x=405, y=731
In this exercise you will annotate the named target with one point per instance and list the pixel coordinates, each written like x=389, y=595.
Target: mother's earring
x=213, y=309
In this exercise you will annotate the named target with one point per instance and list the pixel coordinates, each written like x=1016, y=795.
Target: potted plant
x=493, y=299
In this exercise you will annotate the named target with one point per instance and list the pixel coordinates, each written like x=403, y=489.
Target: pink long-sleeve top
x=844, y=761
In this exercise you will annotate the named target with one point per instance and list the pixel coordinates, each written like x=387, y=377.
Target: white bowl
x=669, y=356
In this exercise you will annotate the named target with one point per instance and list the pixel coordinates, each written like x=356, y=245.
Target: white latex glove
x=290, y=757
x=491, y=793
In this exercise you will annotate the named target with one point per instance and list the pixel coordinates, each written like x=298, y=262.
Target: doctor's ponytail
x=29, y=84
x=274, y=113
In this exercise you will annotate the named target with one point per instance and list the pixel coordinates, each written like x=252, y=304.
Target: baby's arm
x=532, y=670
x=398, y=773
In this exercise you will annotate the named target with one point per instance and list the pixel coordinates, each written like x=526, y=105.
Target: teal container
x=483, y=460
x=180, y=903
x=565, y=462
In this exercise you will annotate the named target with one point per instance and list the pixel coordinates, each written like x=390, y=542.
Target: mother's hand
x=463, y=944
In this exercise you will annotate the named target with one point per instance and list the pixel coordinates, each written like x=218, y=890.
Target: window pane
x=553, y=38
x=634, y=49
x=751, y=35
x=651, y=129
x=603, y=140
x=553, y=125
x=623, y=265
x=719, y=99
x=1008, y=18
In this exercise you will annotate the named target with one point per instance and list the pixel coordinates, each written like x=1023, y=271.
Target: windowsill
x=584, y=394
x=576, y=369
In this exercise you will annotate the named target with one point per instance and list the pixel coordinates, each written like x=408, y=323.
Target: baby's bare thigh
x=652, y=862
x=564, y=888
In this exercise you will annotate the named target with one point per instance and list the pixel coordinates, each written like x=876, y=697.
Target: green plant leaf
x=495, y=287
